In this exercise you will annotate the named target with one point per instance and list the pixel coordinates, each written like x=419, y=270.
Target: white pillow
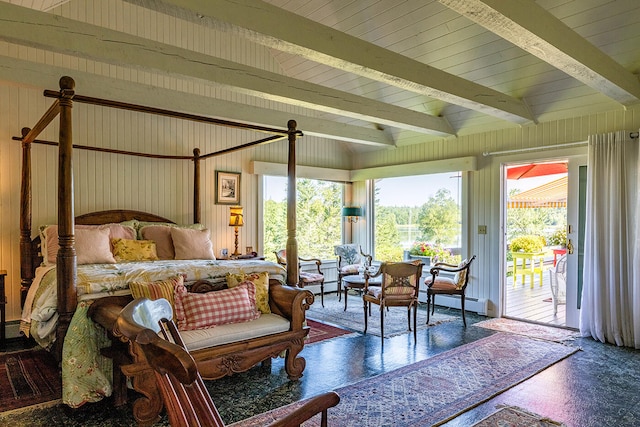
x=93, y=246
x=192, y=244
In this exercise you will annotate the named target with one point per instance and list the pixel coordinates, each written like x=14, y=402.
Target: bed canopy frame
x=66, y=258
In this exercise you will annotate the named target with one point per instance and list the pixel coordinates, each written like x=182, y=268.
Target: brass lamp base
x=236, y=252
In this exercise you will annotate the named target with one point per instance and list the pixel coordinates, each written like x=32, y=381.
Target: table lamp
x=236, y=220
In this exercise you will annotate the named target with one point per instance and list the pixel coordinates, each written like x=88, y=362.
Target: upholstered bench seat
x=266, y=324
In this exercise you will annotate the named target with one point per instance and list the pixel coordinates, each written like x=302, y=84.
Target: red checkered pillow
x=199, y=311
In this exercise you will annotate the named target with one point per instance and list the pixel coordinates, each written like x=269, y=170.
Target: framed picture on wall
x=227, y=188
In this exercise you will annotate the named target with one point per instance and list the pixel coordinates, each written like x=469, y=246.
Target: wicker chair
x=558, y=280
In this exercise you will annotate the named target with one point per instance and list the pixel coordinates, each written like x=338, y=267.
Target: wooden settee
x=213, y=362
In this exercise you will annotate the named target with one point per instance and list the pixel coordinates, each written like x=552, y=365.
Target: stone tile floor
x=598, y=386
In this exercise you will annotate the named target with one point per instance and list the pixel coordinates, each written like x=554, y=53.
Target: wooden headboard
x=35, y=254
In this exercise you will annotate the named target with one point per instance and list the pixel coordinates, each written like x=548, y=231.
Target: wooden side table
x=3, y=307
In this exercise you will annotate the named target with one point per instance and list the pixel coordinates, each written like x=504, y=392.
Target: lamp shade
x=236, y=216
x=351, y=211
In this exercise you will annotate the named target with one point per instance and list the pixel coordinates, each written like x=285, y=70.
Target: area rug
x=395, y=320
x=322, y=331
x=435, y=390
x=532, y=330
x=28, y=378
x=512, y=416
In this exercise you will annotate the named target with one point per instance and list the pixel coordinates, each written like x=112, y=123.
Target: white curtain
x=610, y=310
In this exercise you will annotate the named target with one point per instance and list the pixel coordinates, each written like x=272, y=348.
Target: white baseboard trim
x=479, y=306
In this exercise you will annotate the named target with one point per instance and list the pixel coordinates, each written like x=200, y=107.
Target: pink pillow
x=92, y=246
x=161, y=234
x=192, y=244
x=50, y=235
x=199, y=311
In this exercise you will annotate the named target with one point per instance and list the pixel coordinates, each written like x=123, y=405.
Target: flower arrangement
x=423, y=249
x=436, y=252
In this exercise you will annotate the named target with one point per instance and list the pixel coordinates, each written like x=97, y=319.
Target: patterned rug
x=395, y=320
x=437, y=389
x=28, y=378
x=512, y=416
x=321, y=331
x=532, y=330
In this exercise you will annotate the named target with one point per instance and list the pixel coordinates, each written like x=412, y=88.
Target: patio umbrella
x=536, y=169
x=550, y=195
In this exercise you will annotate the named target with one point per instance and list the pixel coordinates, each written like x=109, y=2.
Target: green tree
x=439, y=219
x=387, y=237
x=318, y=227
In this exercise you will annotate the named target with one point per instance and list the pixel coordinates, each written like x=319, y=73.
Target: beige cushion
x=266, y=324
x=442, y=283
x=192, y=244
x=161, y=235
x=49, y=237
x=92, y=246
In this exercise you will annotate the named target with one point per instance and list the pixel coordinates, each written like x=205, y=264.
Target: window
x=418, y=209
x=318, y=220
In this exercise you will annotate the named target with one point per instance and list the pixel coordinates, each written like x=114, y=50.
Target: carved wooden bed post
x=66, y=260
x=292, y=244
x=26, y=258
x=196, y=185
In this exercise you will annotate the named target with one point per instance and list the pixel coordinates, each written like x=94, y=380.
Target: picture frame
x=227, y=188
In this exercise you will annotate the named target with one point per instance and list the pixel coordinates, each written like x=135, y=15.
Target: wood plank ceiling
x=388, y=72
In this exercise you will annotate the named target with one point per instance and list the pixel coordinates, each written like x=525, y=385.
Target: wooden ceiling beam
x=285, y=31
x=58, y=34
x=46, y=76
x=533, y=29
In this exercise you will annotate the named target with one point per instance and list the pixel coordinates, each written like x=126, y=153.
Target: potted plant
x=528, y=244
x=558, y=238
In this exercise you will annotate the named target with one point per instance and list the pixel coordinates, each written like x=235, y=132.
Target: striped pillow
x=158, y=289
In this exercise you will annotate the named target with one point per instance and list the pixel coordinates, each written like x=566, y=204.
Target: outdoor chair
x=558, y=276
x=184, y=394
x=438, y=285
x=305, y=278
x=350, y=260
x=399, y=286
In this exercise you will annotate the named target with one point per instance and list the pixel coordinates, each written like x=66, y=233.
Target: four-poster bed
x=69, y=299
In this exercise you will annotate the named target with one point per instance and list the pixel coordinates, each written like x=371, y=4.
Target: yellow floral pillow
x=134, y=250
x=261, y=282
x=158, y=289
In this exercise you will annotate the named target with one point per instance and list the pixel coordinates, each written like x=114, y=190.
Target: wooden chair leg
x=415, y=323
x=382, y=322
x=428, y=306
x=366, y=320
x=464, y=320
x=322, y=293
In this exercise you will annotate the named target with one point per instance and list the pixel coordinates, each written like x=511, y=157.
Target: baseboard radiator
x=478, y=305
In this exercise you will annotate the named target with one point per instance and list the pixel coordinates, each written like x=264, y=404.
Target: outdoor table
x=527, y=264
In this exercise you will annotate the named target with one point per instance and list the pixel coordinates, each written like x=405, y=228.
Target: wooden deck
x=534, y=305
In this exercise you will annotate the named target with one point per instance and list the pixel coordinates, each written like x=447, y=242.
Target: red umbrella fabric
x=536, y=169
